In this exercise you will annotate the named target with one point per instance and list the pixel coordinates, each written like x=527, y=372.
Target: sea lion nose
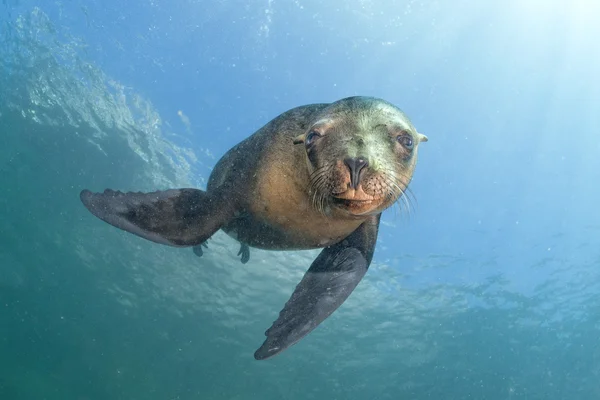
x=355, y=165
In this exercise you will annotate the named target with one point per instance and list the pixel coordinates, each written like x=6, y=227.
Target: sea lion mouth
x=354, y=195
x=332, y=185
x=356, y=207
x=355, y=201
x=351, y=203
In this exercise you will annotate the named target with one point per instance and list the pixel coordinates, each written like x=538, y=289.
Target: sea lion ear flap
x=299, y=139
x=422, y=138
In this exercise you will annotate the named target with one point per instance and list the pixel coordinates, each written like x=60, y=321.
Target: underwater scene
x=317, y=259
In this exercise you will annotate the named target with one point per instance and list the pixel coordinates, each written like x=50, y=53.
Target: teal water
x=490, y=289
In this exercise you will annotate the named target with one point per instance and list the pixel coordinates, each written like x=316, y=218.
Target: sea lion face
x=361, y=154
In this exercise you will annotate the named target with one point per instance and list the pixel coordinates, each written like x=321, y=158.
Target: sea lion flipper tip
x=326, y=285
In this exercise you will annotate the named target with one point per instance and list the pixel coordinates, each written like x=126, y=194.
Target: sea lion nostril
x=356, y=166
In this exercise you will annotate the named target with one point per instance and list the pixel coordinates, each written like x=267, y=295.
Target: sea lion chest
x=278, y=213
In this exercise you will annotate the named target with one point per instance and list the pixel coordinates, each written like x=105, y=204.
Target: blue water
x=488, y=289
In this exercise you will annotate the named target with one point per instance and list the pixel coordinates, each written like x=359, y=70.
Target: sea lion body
x=316, y=176
x=267, y=178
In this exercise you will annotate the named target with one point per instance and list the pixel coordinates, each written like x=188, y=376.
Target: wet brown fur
x=270, y=181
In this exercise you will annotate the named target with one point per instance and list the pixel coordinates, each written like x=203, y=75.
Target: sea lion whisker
x=394, y=190
x=406, y=191
x=319, y=180
x=318, y=194
x=412, y=196
x=318, y=171
x=395, y=205
x=394, y=177
x=402, y=175
x=409, y=207
x=323, y=205
x=399, y=191
x=317, y=201
x=403, y=200
x=406, y=200
x=319, y=174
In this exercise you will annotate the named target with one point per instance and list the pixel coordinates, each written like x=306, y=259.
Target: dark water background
x=489, y=290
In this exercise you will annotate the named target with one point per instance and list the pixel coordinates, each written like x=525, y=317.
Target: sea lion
x=316, y=176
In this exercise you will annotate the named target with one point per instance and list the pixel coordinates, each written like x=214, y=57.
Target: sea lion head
x=361, y=153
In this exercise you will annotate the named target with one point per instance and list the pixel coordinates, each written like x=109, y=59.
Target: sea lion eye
x=311, y=137
x=406, y=141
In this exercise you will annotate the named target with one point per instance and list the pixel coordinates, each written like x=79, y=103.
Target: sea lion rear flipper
x=244, y=252
x=326, y=285
x=175, y=217
x=197, y=249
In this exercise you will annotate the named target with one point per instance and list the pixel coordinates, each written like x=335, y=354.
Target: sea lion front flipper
x=326, y=285
x=175, y=217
